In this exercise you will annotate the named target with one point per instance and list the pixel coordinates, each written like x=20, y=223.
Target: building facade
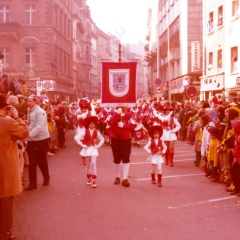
x=179, y=47
x=221, y=75
x=35, y=38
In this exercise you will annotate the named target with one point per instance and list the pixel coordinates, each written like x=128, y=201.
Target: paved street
x=188, y=206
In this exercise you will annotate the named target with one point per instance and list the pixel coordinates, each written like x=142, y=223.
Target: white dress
x=92, y=150
x=155, y=158
x=168, y=134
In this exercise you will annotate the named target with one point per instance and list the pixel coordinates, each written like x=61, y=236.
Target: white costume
x=91, y=150
x=155, y=158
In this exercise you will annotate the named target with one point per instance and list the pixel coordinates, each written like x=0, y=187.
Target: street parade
x=119, y=119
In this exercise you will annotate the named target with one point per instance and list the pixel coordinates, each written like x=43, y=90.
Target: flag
x=139, y=134
x=119, y=84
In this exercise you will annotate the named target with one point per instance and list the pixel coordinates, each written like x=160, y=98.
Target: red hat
x=84, y=103
x=89, y=119
x=157, y=106
x=167, y=108
x=154, y=128
x=236, y=126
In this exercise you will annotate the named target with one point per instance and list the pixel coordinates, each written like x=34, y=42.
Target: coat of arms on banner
x=119, y=82
x=139, y=134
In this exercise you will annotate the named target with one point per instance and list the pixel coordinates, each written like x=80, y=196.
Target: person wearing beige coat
x=12, y=129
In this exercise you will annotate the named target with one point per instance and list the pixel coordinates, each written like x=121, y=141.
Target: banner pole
x=119, y=52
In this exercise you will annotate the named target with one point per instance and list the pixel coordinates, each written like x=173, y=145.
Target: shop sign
x=212, y=83
x=14, y=74
x=178, y=83
x=48, y=85
x=195, y=50
x=39, y=87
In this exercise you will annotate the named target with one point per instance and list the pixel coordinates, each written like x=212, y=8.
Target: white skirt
x=90, y=151
x=168, y=136
x=155, y=159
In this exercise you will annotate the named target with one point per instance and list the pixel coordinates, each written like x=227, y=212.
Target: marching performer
x=156, y=147
x=85, y=111
x=170, y=127
x=121, y=125
x=136, y=115
x=105, y=114
x=87, y=139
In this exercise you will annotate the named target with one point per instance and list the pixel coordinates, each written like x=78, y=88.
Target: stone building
x=36, y=40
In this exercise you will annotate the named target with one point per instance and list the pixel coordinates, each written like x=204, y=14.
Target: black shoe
x=46, y=182
x=117, y=181
x=125, y=183
x=30, y=187
x=11, y=238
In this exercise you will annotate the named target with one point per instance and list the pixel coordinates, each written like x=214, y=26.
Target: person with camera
x=10, y=177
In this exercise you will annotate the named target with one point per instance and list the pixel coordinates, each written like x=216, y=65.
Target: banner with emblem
x=119, y=84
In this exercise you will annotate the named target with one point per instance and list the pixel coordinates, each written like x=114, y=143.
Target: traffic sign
x=191, y=91
x=158, y=81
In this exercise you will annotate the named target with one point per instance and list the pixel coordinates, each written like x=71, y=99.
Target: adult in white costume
x=170, y=126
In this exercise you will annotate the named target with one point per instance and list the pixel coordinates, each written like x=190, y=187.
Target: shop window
x=234, y=60
x=220, y=16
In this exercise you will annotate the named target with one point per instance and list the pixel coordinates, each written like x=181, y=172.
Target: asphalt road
x=188, y=206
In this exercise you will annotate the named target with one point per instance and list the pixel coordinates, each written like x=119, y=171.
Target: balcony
x=174, y=54
x=9, y=31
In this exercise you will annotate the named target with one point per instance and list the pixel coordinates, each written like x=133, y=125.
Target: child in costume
x=87, y=139
x=157, y=148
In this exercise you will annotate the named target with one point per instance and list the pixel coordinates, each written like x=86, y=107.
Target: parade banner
x=119, y=84
x=139, y=134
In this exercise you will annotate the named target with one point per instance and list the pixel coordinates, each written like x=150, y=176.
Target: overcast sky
x=130, y=14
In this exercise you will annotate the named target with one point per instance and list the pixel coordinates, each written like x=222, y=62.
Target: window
x=210, y=23
x=4, y=14
x=220, y=16
x=30, y=14
x=30, y=57
x=210, y=63
x=6, y=59
x=235, y=7
x=234, y=60
x=55, y=18
x=219, y=59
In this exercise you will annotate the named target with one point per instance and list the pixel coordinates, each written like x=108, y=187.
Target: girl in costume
x=170, y=127
x=157, y=148
x=83, y=112
x=90, y=140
